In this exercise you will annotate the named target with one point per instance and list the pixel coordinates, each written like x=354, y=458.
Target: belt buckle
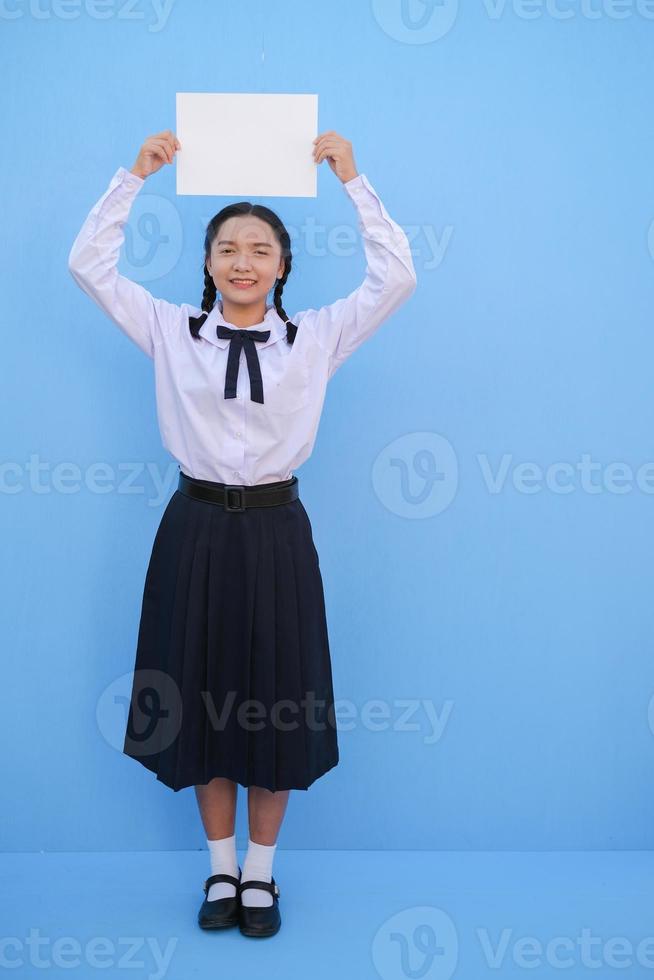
x=238, y=488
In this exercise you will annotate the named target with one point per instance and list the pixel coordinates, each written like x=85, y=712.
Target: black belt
x=237, y=496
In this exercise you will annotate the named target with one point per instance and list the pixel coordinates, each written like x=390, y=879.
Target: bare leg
x=265, y=813
x=217, y=803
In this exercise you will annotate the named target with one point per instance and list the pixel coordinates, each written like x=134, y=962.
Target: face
x=245, y=248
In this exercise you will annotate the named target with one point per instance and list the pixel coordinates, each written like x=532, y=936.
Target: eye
x=259, y=251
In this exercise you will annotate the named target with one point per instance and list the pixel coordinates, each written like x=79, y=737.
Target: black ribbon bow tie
x=243, y=339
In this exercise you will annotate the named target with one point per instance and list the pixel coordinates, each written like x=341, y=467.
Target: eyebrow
x=228, y=241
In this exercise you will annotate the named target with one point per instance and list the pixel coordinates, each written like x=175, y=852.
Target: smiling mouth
x=243, y=282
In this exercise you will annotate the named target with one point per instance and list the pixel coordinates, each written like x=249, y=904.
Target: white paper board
x=246, y=145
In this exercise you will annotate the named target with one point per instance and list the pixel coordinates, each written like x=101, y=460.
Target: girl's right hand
x=156, y=151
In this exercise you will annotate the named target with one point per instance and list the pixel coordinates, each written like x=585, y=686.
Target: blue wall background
x=514, y=144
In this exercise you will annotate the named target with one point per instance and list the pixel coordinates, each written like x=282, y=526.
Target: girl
x=232, y=678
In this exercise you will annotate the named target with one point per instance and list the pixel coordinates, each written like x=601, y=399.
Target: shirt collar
x=271, y=321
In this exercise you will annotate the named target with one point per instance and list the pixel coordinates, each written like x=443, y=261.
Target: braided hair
x=209, y=294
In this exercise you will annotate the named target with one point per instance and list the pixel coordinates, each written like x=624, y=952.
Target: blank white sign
x=243, y=144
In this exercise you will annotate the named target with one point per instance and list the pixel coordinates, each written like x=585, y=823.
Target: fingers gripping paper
x=242, y=144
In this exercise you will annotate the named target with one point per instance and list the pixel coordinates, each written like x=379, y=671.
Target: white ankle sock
x=223, y=861
x=257, y=867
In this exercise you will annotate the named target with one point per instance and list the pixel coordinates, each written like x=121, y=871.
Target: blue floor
x=345, y=914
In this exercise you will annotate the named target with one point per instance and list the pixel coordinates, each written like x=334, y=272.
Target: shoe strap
x=214, y=879
x=267, y=886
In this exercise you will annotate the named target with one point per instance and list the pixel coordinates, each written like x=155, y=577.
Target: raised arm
x=93, y=258
x=390, y=277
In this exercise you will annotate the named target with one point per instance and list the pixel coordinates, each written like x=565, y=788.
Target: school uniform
x=232, y=672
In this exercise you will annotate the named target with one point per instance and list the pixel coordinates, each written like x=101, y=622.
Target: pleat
x=233, y=614
x=192, y=625
x=165, y=575
x=230, y=598
x=177, y=654
x=261, y=652
x=213, y=600
x=291, y=747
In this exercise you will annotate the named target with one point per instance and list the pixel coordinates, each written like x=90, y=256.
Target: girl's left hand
x=338, y=153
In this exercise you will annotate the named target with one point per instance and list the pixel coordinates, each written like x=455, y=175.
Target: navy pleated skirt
x=233, y=675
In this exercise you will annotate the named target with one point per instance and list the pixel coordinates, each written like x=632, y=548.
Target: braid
x=208, y=300
x=209, y=295
x=291, y=329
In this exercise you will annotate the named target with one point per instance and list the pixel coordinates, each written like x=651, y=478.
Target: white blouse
x=238, y=440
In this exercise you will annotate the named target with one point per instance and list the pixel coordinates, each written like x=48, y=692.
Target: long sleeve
x=390, y=279
x=93, y=263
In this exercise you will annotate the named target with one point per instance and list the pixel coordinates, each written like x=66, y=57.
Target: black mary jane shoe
x=255, y=921
x=221, y=912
